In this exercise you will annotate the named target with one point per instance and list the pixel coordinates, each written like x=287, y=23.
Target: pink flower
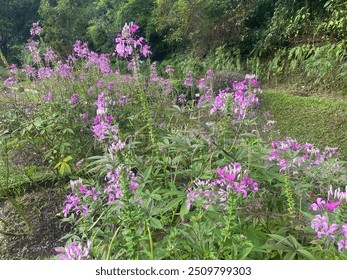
x=342, y=245
x=332, y=206
x=36, y=29
x=319, y=205
x=133, y=28
x=320, y=225
x=74, y=251
x=74, y=98
x=169, y=69
x=48, y=97
x=145, y=50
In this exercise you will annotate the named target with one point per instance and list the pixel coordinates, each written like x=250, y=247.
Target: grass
x=317, y=120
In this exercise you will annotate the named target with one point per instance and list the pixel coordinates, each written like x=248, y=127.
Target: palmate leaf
x=289, y=245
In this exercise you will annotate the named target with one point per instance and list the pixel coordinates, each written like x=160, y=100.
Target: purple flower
x=48, y=96
x=344, y=229
x=128, y=46
x=79, y=164
x=74, y=251
x=49, y=55
x=44, y=72
x=318, y=205
x=74, y=98
x=75, y=202
x=117, y=185
x=145, y=50
x=36, y=29
x=29, y=70
x=319, y=222
x=189, y=81
x=100, y=129
x=71, y=204
x=84, y=116
x=64, y=70
x=133, y=27
x=342, y=245
x=169, y=69
x=320, y=225
x=13, y=69
x=332, y=206
x=81, y=49
x=230, y=178
x=10, y=81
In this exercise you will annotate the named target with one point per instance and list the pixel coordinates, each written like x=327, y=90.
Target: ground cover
x=315, y=119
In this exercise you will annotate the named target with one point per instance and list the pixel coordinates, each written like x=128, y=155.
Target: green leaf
x=184, y=210
x=64, y=168
x=173, y=203
x=281, y=239
x=68, y=158
x=290, y=255
x=31, y=171
x=155, y=223
x=306, y=254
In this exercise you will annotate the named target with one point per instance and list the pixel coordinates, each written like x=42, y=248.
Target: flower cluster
x=164, y=85
x=128, y=45
x=75, y=98
x=189, y=80
x=101, y=61
x=205, y=87
x=102, y=121
x=238, y=100
x=169, y=69
x=115, y=184
x=322, y=228
x=290, y=155
x=230, y=178
x=321, y=204
x=76, y=201
x=74, y=251
x=35, y=29
x=334, y=199
x=320, y=224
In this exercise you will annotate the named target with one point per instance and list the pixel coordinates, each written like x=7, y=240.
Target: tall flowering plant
x=230, y=178
x=329, y=222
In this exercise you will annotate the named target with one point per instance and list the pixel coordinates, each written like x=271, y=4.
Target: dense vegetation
x=179, y=158
x=279, y=40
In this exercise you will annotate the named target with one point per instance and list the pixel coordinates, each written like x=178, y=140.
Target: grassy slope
x=309, y=119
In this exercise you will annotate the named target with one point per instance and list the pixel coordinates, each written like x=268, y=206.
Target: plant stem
x=150, y=241
x=110, y=245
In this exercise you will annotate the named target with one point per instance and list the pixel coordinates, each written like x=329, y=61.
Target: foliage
x=16, y=17
x=62, y=26
x=170, y=165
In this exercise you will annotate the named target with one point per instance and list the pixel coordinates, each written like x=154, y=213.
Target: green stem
x=110, y=245
x=150, y=241
x=290, y=199
x=3, y=58
x=12, y=233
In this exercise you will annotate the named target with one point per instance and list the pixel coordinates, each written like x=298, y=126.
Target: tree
x=16, y=17
x=66, y=21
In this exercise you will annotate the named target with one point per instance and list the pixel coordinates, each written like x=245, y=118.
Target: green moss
x=320, y=121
